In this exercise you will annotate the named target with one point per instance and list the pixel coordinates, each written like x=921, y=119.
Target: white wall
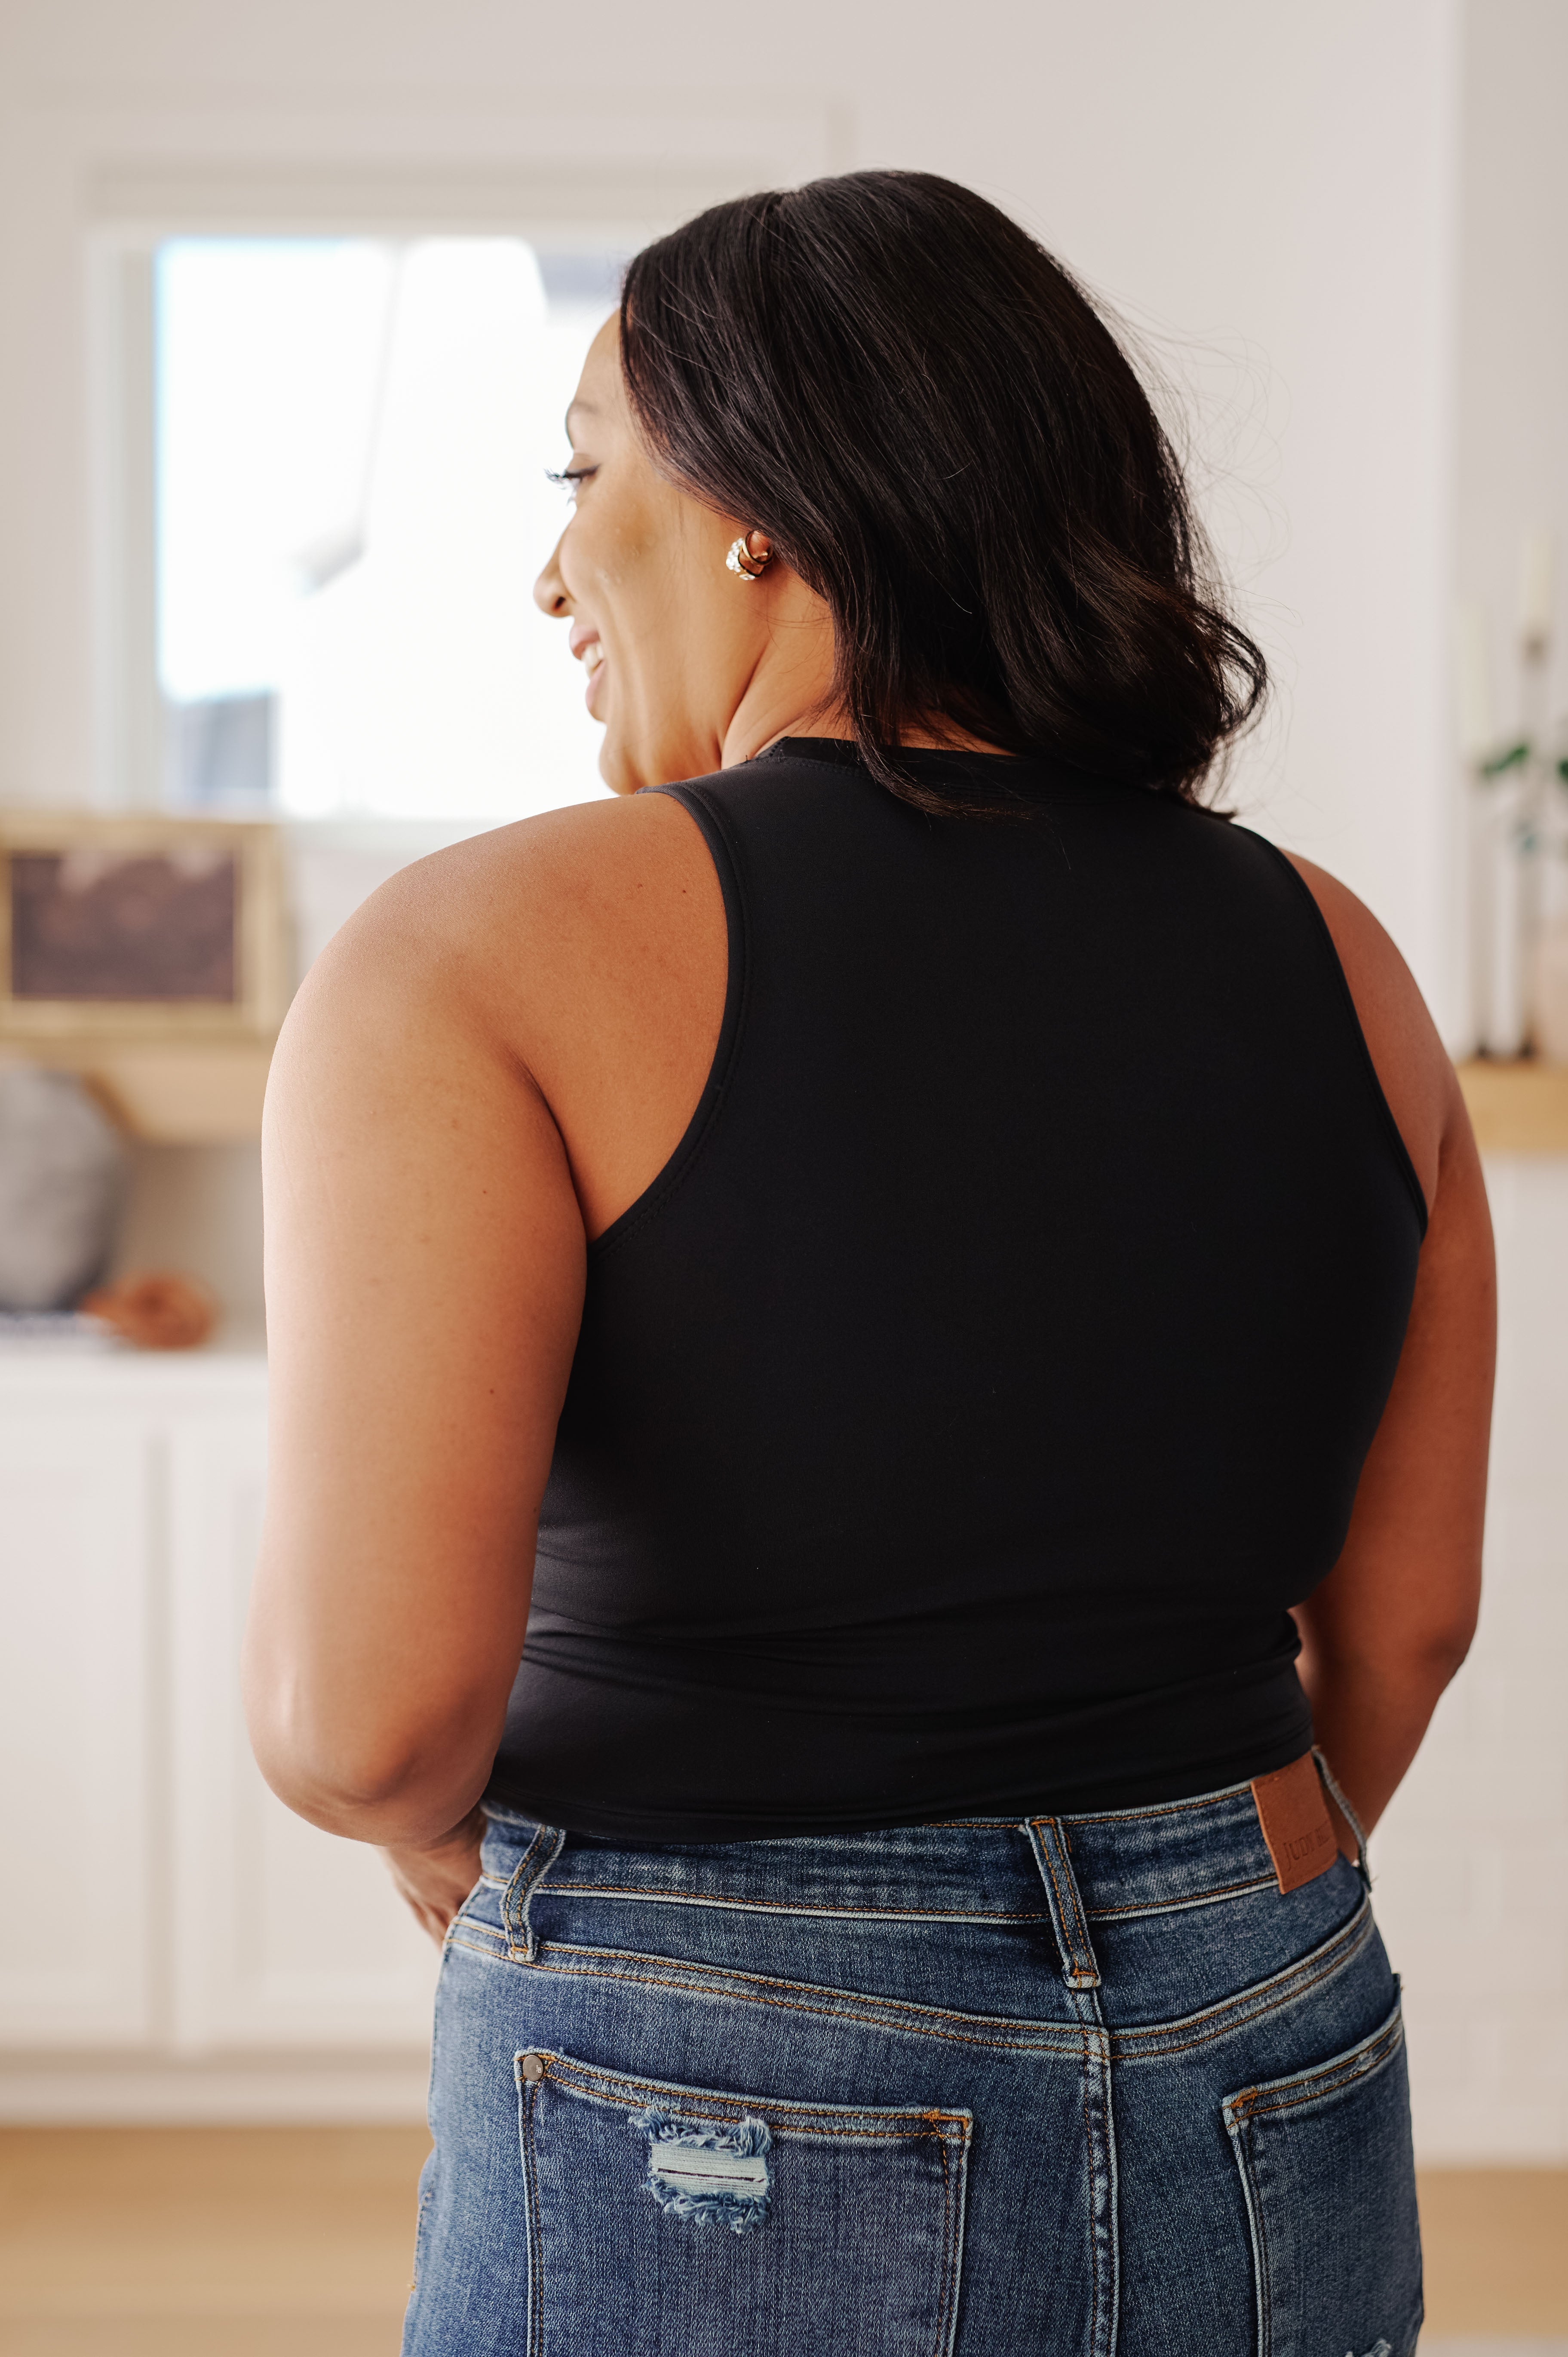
x=1474, y=1895
x=1512, y=453
x=1270, y=184
x=1471, y=1864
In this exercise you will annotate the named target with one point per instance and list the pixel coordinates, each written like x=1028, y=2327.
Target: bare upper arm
x=1409, y=1577
x=490, y=1060
x=425, y=1277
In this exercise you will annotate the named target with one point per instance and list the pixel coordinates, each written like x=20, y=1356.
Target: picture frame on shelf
x=136, y=929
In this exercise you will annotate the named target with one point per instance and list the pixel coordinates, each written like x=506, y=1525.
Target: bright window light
x=351, y=509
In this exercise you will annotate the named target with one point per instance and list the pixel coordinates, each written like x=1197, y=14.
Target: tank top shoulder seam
x=1322, y=933
x=671, y=1177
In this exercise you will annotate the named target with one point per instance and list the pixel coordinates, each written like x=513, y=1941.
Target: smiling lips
x=590, y=653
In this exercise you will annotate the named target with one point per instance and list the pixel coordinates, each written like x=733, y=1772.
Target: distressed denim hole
x=710, y=2176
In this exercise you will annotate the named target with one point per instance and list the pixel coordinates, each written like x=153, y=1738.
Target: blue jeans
x=1080, y=2085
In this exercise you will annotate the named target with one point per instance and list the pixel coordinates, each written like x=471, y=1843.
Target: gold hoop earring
x=743, y=560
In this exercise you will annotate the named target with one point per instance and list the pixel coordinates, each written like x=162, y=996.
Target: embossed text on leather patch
x=1293, y=1816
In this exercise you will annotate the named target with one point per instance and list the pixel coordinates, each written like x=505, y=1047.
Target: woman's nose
x=549, y=592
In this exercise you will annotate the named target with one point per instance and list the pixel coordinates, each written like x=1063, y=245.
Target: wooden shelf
x=170, y=1095
x=1517, y=1108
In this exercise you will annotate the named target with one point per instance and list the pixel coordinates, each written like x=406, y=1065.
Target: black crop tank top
x=956, y=1414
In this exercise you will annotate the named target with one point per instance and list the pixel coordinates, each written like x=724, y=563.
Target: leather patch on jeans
x=1293, y=1815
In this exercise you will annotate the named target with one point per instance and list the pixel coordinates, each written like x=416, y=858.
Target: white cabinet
x=158, y=1904
x=76, y=1607
x=283, y=1936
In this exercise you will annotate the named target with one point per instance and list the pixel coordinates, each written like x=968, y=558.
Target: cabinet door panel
x=75, y=1530
x=286, y=1937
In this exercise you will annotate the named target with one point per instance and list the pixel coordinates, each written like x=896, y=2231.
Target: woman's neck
x=790, y=691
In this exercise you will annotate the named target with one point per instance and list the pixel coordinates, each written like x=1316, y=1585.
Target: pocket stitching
x=699, y=2101
x=1150, y=2042
x=942, y=2128
x=1330, y=2078
x=949, y=2266
x=1241, y=2112
x=535, y=2234
x=665, y=1897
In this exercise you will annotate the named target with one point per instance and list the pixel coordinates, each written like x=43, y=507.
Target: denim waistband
x=1124, y=1861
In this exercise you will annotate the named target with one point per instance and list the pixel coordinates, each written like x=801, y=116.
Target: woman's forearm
x=1368, y=1718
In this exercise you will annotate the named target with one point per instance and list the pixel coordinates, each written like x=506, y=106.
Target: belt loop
x=1048, y=1835
x=533, y=1866
x=1348, y=1814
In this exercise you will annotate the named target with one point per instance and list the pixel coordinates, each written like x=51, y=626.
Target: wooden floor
x=296, y=2242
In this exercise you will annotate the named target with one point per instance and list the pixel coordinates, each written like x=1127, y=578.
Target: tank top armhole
x=710, y=1105
x=1324, y=935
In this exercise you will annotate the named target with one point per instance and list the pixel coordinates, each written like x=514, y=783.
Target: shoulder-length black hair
x=938, y=433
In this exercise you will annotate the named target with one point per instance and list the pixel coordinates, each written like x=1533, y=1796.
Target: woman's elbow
x=350, y=1773
x=1445, y=1649
x=1424, y=1650
x=345, y=1788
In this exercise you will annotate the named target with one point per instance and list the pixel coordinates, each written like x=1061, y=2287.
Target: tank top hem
x=1114, y=1796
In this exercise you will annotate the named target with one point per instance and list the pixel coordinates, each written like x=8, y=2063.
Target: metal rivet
x=533, y=2066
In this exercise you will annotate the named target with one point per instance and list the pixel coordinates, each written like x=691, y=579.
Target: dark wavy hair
x=939, y=434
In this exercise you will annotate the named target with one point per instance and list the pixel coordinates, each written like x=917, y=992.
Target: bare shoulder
x=575, y=964
x=1410, y=1061
x=521, y=933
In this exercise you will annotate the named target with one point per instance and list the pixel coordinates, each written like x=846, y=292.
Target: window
x=351, y=507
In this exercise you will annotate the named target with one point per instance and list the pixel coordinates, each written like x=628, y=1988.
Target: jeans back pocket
x=1330, y=2178
x=670, y=2218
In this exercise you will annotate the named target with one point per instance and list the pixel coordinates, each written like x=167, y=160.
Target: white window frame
x=594, y=208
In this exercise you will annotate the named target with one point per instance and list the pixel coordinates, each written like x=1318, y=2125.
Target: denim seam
x=634, y=1890
x=705, y=1974
x=1325, y=1777
x=1105, y=2255
x=955, y=2266
x=700, y=2102
x=1078, y=1962
x=1255, y=2102
x=950, y=2258
x=535, y=2229
x=1092, y=2253
x=1240, y=2133
x=655, y=1892
x=532, y=1868
x=1250, y=2005
x=497, y=1951
x=1214, y=1898
x=1058, y=2039
x=1112, y=1816
x=1241, y=2112
x=1142, y=2043
x=1164, y=1809
x=947, y=2231
x=1113, y=2202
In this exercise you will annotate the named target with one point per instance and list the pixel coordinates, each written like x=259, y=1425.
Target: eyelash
x=570, y=477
